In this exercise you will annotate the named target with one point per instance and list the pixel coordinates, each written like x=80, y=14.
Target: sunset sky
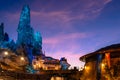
x=69, y=28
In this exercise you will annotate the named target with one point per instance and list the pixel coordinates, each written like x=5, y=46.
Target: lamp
x=5, y=53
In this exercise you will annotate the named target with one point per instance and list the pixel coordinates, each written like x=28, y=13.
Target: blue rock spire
x=1, y=32
x=25, y=17
x=25, y=31
x=30, y=42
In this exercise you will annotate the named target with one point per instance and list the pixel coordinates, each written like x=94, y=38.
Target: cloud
x=52, y=18
x=62, y=37
x=62, y=16
x=65, y=42
x=107, y=1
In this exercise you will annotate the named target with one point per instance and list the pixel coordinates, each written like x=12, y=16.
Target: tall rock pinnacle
x=25, y=16
x=26, y=37
x=25, y=31
x=1, y=32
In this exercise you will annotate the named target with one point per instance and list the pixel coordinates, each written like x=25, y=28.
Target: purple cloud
x=62, y=37
x=71, y=10
x=65, y=45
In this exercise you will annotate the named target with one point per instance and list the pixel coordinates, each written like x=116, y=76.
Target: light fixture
x=87, y=68
x=22, y=58
x=102, y=65
x=6, y=53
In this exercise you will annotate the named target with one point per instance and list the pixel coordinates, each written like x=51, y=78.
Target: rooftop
x=107, y=49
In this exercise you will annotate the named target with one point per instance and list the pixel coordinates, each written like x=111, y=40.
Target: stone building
x=103, y=64
x=46, y=63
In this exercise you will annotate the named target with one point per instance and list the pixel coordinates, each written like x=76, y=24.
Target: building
x=46, y=63
x=103, y=64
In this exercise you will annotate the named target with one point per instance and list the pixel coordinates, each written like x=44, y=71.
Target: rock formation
x=64, y=64
x=1, y=32
x=29, y=43
x=5, y=42
x=26, y=34
x=25, y=31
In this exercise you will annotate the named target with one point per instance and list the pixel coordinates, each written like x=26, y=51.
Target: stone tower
x=25, y=31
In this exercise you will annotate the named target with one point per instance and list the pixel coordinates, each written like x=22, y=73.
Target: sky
x=69, y=28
